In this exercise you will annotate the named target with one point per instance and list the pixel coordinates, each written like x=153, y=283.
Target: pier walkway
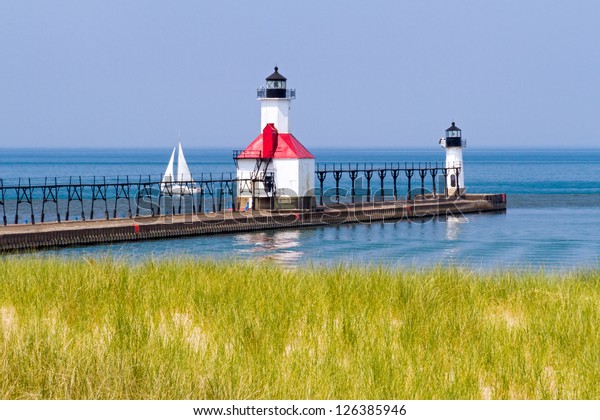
x=69, y=233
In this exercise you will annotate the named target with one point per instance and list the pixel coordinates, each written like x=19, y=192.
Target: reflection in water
x=280, y=246
x=453, y=226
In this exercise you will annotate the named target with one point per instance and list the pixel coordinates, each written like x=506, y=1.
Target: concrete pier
x=53, y=234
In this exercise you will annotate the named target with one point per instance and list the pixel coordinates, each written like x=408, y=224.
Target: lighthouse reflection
x=280, y=246
x=454, y=227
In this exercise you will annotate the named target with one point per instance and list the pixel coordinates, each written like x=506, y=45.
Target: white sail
x=169, y=176
x=183, y=171
x=183, y=183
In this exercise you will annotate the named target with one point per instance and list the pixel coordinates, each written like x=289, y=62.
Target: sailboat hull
x=178, y=189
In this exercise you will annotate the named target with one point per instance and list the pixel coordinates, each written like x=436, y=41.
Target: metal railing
x=28, y=200
x=247, y=154
x=261, y=93
x=352, y=181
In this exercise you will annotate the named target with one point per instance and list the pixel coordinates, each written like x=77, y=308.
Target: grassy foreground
x=196, y=330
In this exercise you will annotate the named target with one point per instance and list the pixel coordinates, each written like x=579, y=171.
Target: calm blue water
x=553, y=219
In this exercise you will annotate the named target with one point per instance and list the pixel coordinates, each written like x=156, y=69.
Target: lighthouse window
x=275, y=84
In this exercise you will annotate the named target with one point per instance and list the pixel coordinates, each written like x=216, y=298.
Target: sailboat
x=182, y=184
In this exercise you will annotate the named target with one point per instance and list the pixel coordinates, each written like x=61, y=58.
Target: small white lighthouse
x=275, y=171
x=454, y=143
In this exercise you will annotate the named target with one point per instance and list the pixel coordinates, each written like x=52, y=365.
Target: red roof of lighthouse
x=288, y=147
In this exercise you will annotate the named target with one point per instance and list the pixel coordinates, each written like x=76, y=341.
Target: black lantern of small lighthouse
x=276, y=85
x=453, y=136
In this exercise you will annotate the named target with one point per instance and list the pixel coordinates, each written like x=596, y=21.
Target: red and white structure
x=275, y=171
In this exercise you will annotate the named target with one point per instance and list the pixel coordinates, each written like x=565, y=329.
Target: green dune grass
x=82, y=329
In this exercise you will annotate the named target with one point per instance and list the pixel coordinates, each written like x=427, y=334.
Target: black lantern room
x=276, y=85
x=453, y=136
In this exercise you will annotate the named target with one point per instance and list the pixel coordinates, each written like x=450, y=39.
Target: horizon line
x=358, y=148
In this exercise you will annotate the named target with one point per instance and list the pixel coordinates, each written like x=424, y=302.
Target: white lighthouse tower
x=275, y=171
x=454, y=143
x=275, y=102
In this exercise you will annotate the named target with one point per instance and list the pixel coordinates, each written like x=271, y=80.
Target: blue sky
x=371, y=74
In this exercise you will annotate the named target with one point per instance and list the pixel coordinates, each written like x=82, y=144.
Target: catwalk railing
x=103, y=197
x=57, y=199
x=369, y=182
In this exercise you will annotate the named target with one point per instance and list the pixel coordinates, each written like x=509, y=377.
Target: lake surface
x=552, y=221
